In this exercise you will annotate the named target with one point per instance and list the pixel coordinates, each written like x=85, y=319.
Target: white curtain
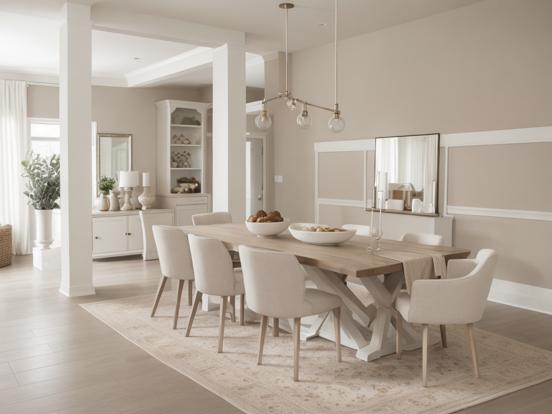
x=14, y=143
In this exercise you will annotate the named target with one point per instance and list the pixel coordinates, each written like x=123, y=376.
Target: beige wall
x=482, y=67
x=118, y=110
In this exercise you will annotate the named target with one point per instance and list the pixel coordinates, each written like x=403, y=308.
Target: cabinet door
x=134, y=234
x=183, y=214
x=109, y=235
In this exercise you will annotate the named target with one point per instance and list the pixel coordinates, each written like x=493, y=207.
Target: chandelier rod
x=335, y=50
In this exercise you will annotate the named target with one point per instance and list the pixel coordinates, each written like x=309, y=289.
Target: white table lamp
x=128, y=180
x=146, y=198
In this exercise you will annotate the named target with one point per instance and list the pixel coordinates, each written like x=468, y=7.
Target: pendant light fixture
x=336, y=122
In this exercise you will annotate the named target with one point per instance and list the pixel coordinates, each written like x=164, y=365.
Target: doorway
x=255, y=174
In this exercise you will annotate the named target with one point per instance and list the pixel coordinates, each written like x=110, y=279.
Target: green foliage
x=43, y=183
x=106, y=184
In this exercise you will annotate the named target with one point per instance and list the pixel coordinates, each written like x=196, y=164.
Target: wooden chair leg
x=296, y=342
x=223, y=302
x=443, y=335
x=398, y=328
x=190, y=292
x=471, y=340
x=162, y=283
x=178, y=297
x=242, y=310
x=337, y=327
x=275, y=327
x=424, y=355
x=193, y=313
x=262, y=336
x=233, y=308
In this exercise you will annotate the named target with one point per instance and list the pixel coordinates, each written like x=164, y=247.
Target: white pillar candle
x=146, y=180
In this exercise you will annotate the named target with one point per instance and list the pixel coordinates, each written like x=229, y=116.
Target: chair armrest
x=460, y=267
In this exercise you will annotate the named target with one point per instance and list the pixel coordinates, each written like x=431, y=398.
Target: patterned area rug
x=385, y=386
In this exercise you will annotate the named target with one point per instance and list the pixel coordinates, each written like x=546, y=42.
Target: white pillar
x=229, y=128
x=76, y=155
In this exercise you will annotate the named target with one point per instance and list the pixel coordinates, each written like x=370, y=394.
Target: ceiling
x=36, y=50
x=262, y=20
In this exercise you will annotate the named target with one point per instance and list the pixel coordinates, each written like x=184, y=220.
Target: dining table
x=369, y=328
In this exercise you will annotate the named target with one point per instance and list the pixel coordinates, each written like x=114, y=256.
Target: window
x=45, y=135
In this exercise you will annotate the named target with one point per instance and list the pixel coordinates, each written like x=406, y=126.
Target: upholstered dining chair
x=218, y=217
x=423, y=238
x=275, y=287
x=175, y=262
x=361, y=229
x=459, y=299
x=215, y=276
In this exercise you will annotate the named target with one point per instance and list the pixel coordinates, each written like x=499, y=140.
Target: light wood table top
x=351, y=258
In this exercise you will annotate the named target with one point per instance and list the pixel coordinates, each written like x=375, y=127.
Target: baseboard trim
x=520, y=295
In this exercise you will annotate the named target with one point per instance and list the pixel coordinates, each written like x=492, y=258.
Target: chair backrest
x=479, y=281
x=214, y=274
x=361, y=229
x=173, y=251
x=218, y=217
x=274, y=282
x=423, y=238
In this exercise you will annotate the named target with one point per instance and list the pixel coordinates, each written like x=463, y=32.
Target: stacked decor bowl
x=5, y=245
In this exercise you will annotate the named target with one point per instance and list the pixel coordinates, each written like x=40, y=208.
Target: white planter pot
x=43, y=224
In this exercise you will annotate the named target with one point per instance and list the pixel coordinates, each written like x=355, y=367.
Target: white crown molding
x=344, y=146
x=498, y=137
x=520, y=295
x=498, y=212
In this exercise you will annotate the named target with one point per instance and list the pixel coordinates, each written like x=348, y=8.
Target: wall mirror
x=407, y=174
x=113, y=154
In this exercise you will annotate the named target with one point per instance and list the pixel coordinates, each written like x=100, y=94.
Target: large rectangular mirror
x=113, y=154
x=407, y=173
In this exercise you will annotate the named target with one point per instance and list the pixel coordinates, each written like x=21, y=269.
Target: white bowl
x=267, y=229
x=298, y=231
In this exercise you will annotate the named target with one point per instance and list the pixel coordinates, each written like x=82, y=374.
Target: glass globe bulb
x=263, y=120
x=291, y=104
x=303, y=119
x=336, y=123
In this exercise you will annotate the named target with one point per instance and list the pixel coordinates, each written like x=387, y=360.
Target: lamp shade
x=129, y=179
x=146, y=179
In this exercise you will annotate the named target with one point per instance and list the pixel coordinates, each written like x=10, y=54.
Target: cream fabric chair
x=275, y=287
x=175, y=261
x=214, y=276
x=218, y=217
x=361, y=229
x=459, y=299
x=423, y=238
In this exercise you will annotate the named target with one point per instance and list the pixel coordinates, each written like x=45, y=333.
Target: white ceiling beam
x=171, y=68
x=110, y=20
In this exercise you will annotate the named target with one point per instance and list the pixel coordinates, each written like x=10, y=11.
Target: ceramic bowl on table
x=326, y=235
x=267, y=229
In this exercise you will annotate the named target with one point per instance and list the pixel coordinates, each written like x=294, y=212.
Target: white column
x=229, y=128
x=76, y=155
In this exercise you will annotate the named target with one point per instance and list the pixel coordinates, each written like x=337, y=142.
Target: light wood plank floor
x=56, y=358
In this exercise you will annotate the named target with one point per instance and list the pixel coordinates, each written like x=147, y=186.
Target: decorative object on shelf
x=105, y=185
x=114, y=201
x=5, y=245
x=336, y=122
x=147, y=198
x=181, y=116
x=417, y=205
x=43, y=191
x=186, y=141
x=128, y=180
x=181, y=159
x=187, y=185
x=392, y=204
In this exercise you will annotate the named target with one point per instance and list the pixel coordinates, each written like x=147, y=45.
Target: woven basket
x=5, y=245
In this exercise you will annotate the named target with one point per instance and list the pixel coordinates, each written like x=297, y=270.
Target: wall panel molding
x=349, y=145
x=520, y=295
x=498, y=137
x=502, y=213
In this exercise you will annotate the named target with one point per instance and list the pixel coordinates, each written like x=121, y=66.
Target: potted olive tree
x=43, y=192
